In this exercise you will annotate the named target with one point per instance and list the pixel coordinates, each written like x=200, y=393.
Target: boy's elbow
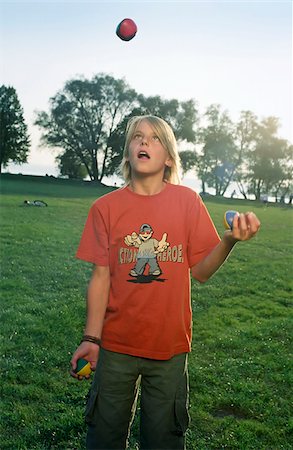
x=201, y=280
x=199, y=276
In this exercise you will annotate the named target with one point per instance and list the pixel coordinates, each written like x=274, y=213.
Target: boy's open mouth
x=143, y=154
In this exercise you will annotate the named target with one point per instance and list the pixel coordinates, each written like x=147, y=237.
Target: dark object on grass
x=34, y=203
x=230, y=411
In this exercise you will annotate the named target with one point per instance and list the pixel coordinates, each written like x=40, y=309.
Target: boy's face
x=147, y=156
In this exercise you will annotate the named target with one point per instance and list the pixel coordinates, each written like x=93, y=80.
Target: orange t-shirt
x=149, y=243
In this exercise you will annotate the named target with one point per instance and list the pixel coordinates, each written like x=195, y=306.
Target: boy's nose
x=144, y=141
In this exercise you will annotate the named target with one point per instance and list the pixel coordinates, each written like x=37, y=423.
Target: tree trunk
x=241, y=190
x=257, y=190
x=104, y=164
x=95, y=168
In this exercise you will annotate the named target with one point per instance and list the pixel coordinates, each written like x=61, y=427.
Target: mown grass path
x=241, y=363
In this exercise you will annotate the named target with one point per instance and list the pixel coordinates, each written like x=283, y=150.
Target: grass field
x=241, y=363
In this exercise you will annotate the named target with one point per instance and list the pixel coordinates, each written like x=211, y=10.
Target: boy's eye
x=139, y=137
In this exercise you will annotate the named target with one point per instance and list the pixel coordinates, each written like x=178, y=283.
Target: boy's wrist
x=92, y=339
x=229, y=240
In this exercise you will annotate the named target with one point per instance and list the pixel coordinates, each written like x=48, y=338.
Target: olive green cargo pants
x=112, y=401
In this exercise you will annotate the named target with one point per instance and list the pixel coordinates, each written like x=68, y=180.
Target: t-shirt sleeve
x=203, y=236
x=94, y=243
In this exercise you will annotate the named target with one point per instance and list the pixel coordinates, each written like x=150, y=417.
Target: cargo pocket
x=182, y=417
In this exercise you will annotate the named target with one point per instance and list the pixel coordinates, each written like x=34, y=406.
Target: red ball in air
x=126, y=30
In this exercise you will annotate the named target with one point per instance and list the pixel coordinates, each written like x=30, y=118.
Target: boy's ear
x=168, y=162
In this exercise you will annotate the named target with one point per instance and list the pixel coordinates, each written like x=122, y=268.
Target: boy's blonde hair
x=168, y=140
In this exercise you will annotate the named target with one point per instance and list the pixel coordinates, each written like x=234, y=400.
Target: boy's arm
x=97, y=300
x=245, y=226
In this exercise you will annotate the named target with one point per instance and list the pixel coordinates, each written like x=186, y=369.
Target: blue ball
x=228, y=219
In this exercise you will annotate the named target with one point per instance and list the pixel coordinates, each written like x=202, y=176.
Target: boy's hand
x=88, y=351
x=245, y=226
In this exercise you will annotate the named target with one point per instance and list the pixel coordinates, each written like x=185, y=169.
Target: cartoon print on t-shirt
x=148, y=249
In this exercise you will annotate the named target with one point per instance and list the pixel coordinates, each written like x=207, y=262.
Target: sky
x=235, y=53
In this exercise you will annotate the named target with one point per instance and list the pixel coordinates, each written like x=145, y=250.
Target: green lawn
x=240, y=374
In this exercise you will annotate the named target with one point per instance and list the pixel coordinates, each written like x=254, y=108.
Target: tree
x=83, y=117
x=87, y=121
x=246, y=137
x=284, y=186
x=216, y=162
x=14, y=139
x=267, y=161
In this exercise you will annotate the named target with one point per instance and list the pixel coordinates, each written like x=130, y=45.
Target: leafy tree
x=267, y=160
x=284, y=186
x=246, y=137
x=265, y=165
x=217, y=160
x=87, y=120
x=83, y=117
x=14, y=139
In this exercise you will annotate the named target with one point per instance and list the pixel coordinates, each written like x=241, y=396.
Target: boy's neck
x=146, y=186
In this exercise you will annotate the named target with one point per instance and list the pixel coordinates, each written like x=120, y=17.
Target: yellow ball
x=83, y=368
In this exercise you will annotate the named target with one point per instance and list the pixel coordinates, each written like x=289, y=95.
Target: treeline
x=87, y=119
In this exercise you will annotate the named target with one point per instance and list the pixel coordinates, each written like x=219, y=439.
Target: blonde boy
x=145, y=240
